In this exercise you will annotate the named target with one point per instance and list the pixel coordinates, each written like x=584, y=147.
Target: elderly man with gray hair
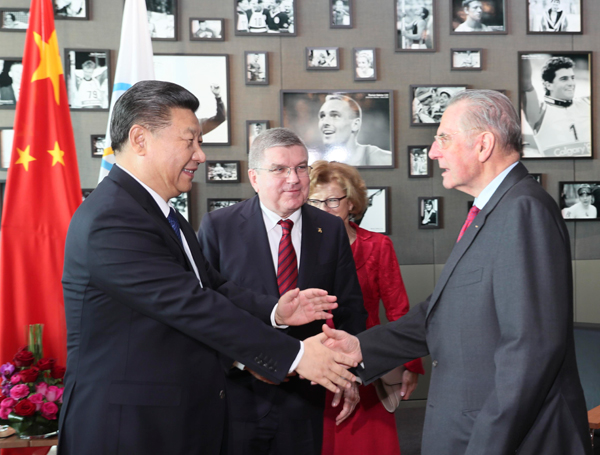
x=499, y=323
x=271, y=243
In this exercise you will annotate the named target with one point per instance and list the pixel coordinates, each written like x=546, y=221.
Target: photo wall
x=399, y=60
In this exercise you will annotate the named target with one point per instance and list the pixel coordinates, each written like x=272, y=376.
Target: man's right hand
x=324, y=366
x=343, y=342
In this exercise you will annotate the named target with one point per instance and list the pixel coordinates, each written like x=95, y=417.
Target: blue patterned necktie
x=174, y=223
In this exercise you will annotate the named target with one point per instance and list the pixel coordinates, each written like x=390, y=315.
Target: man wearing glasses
x=271, y=243
x=499, y=323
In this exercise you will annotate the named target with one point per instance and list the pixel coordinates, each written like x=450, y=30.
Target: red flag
x=42, y=193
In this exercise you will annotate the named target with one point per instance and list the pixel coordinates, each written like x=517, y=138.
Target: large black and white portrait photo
x=478, y=16
x=71, y=9
x=10, y=81
x=353, y=127
x=322, y=58
x=430, y=213
x=555, y=99
x=554, y=16
x=206, y=76
x=87, y=78
x=202, y=29
x=415, y=25
x=162, y=19
x=265, y=17
x=579, y=200
x=429, y=102
x=14, y=20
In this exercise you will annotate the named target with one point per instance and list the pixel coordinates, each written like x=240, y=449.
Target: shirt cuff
x=298, y=358
x=273, y=323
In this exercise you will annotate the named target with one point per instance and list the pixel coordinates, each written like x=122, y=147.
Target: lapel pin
x=319, y=230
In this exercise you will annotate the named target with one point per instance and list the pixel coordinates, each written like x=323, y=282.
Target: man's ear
x=356, y=123
x=487, y=143
x=138, y=136
x=252, y=176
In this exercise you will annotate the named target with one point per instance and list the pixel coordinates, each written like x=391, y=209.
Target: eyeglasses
x=443, y=140
x=332, y=202
x=284, y=171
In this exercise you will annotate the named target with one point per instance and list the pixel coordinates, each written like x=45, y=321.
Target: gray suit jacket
x=499, y=329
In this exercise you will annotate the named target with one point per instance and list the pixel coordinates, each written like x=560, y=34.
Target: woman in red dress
x=338, y=189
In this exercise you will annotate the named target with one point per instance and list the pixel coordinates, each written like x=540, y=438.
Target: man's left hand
x=351, y=399
x=297, y=307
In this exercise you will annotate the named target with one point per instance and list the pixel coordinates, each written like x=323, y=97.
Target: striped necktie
x=287, y=264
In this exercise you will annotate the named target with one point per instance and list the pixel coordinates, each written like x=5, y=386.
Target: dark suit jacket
x=235, y=242
x=499, y=327
x=143, y=371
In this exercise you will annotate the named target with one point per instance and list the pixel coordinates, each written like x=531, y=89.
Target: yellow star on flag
x=24, y=158
x=57, y=155
x=50, y=64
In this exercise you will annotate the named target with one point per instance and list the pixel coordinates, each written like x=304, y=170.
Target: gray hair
x=491, y=111
x=274, y=137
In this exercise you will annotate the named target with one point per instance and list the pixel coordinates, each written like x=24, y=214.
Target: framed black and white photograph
x=265, y=17
x=365, y=64
x=204, y=29
x=340, y=14
x=71, y=9
x=256, y=67
x=253, y=129
x=6, y=141
x=98, y=145
x=220, y=171
x=430, y=213
x=11, y=70
x=415, y=26
x=322, y=58
x=478, y=17
x=429, y=102
x=579, y=200
x=162, y=19
x=182, y=204
x=555, y=96
x=355, y=127
x=88, y=78
x=213, y=204
x=419, y=164
x=207, y=77
x=14, y=20
x=555, y=16
x=377, y=216
x=537, y=177
x=466, y=59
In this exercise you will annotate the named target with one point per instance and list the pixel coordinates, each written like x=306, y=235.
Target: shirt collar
x=272, y=218
x=164, y=206
x=491, y=188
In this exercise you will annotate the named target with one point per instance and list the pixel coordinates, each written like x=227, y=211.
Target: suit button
x=222, y=394
x=434, y=363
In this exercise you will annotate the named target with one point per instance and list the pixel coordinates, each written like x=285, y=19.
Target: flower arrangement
x=31, y=392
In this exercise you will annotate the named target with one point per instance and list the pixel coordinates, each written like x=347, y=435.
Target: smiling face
x=563, y=86
x=459, y=160
x=337, y=122
x=172, y=155
x=281, y=194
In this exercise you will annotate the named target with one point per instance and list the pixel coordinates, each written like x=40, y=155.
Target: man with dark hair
x=340, y=120
x=474, y=11
x=243, y=243
x=499, y=323
x=147, y=317
x=258, y=16
x=561, y=124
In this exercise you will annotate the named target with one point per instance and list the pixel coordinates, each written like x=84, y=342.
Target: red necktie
x=470, y=217
x=287, y=265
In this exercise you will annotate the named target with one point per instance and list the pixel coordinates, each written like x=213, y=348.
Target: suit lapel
x=515, y=175
x=311, y=245
x=256, y=244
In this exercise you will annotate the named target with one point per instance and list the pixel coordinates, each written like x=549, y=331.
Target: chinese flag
x=42, y=193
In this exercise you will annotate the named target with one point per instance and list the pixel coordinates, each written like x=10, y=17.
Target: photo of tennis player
x=555, y=99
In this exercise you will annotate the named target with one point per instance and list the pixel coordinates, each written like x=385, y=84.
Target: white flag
x=133, y=65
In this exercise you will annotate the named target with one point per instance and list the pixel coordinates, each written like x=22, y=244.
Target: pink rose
x=54, y=393
x=15, y=379
x=4, y=413
x=42, y=388
x=19, y=391
x=49, y=411
x=8, y=403
x=37, y=399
